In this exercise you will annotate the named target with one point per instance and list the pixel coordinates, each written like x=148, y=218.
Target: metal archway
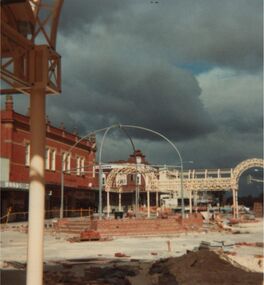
x=149, y=174
x=242, y=167
x=237, y=172
x=100, y=164
x=151, y=181
x=153, y=132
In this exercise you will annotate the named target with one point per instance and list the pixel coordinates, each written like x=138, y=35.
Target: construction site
x=69, y=218
x=199, y=249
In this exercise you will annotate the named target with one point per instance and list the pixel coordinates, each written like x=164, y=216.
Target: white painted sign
x=14, y=185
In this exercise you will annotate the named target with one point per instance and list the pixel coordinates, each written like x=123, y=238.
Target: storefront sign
x=14, y=185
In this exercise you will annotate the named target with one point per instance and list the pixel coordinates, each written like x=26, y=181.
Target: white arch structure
x=149, y=173
x=238, y=171
x=194, y=180
x=137, y=194
x=113, y=184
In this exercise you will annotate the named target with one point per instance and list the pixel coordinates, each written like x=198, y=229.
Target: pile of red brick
x=135, y=227
x=89, y=235
x=258, y=209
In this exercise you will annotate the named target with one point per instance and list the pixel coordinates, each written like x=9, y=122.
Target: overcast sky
x=190, y=69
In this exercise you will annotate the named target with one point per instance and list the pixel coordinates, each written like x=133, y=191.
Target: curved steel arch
x=63, y=161
x=174, y=147
x=100, y=208
x=144, y=129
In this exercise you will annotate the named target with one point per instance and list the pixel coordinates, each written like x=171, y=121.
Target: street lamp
x=100, y=163
x=176, y=149
x=62, y=164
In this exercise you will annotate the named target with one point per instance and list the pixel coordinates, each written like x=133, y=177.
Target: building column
x=195, y=200
x=190, y=201
x=119, y=201
x=36, y=188
x=108, y=203
x=148, y=203
x=157, y=199
x=234, y=202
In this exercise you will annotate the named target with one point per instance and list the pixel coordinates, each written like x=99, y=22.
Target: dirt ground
x=144, y=260
x=202, y=267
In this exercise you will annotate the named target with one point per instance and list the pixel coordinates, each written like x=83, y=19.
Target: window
x=64, y=156
x=82, y=166
x=78, y=166
x=121, y=179
x=66, y=162
x=103, y=179
x=138, y=159
x=27, y=154
x=53, y=159
x=47, y=158
x=138, y=179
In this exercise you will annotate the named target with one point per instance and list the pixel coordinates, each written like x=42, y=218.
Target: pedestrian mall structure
x=164, y=180
x=122, y=180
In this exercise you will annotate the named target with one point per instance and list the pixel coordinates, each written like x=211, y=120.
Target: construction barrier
x=49, y=214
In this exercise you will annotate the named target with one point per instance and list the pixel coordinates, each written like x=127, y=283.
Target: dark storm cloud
x=225, y=33
x=237, y=101
x=133, y=62
x=158, y=95
x=79, y=13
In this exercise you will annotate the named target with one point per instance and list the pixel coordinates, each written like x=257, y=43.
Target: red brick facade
x=130, y=184
x=15, y=143
x=80, y=183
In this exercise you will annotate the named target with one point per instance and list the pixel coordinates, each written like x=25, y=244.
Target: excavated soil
x=203, y=267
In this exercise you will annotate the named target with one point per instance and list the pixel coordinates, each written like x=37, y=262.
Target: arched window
x=53, y=159
x=138, y=179
x=47, y=158
x=27, y=154
x=103, y=179
x=82, y=166
x=78, y=166
x=66, y=162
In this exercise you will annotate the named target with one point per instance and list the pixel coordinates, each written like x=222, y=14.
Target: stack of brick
x=258, y=209
x=135, y=227
x=75, y=226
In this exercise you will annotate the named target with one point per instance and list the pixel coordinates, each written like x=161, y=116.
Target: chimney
x=9, y=103
x=63, y=129
x=47, y=120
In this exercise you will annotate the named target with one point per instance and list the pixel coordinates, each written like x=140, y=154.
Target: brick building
x=79, y=179
x=128, y=176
